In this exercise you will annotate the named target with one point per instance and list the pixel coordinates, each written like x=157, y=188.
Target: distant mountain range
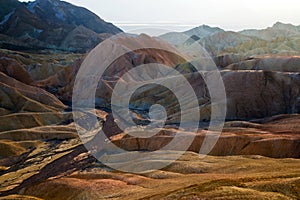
x=50, y=24
x=277, y=30
x=58, y=25
x=279, y=39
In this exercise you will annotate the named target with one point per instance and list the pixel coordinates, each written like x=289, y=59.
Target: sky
x=179, y=15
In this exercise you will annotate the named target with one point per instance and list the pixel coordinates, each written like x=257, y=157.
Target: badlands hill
x=42, y=157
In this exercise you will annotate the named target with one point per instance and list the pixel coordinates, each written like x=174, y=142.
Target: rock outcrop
x=277, y=137
x=258, y=94
x=267, y=63
x=15, y=70
x=23, y=104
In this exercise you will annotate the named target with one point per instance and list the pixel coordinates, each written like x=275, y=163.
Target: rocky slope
x=51, y=24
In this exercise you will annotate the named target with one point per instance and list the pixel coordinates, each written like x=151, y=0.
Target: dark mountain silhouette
x=51, y=24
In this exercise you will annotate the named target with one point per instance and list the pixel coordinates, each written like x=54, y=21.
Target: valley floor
x=61, y=168
x=231, y=177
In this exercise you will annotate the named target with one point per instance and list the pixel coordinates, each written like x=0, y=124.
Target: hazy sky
x=184, y=14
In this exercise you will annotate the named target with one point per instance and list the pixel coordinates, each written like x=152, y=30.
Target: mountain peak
x=280, y=25
x=7, y=6
x=204, y=26
x=50, y=1
x=203, y=31
x=44, y=2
